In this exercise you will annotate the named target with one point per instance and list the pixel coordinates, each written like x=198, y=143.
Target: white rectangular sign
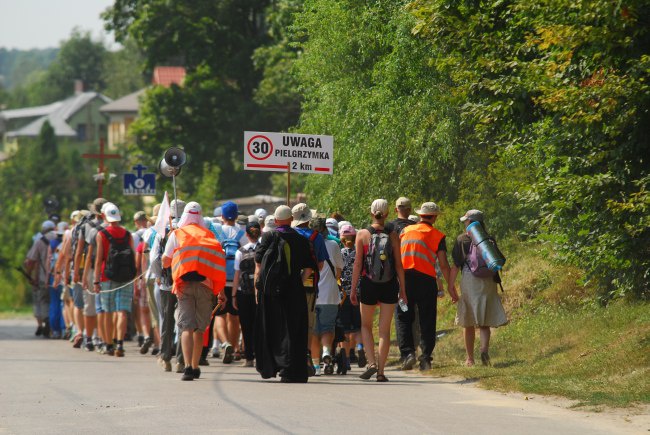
x=306, y=153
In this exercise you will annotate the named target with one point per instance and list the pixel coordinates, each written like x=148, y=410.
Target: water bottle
x=402, y=305
x=493, y=258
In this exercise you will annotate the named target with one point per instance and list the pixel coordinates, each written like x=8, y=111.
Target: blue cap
x=229, y=210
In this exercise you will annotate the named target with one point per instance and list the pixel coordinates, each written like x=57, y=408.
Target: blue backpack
x=230, y=247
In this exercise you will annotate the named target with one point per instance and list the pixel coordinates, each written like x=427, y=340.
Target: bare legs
x=470, y=333
x=385, y=319
x=192, y=343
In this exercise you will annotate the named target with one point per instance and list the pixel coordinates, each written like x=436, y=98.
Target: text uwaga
x=302, y=142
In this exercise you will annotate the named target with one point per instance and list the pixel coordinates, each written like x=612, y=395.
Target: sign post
x=288, y=152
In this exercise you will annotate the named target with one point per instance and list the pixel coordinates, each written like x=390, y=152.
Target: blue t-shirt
x=319, y=244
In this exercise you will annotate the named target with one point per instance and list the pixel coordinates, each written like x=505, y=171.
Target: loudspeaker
x=167, y=170
x=175, y=157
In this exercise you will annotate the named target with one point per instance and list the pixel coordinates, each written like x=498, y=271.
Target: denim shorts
x=78, y=295
x=325, y=318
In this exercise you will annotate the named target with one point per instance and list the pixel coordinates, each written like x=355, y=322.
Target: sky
x=26, y=24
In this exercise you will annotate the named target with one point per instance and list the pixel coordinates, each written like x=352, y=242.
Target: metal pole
x=289, y=184
x=175, y=199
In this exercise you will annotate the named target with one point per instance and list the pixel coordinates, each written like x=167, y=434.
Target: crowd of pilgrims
x=317, y=320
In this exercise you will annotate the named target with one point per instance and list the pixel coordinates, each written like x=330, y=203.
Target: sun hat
x=269, y=223
x=428, y=209
x=301, y=213
x=473, y=215
x=48, y=225
x=261, y=213
x=176, y=207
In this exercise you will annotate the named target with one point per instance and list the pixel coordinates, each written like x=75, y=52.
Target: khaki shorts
x=151, y=301
x=194, y=307
x=89, y=298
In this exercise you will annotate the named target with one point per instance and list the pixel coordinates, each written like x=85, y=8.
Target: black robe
x=281, y=323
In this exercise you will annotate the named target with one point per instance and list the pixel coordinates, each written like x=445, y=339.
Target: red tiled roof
x=167, y=75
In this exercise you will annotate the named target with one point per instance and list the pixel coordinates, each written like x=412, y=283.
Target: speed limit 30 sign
x=306, y=153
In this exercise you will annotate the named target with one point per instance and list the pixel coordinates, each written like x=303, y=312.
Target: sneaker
x=180, y=367
x=353, y=357
x=228, y=351
x=237, y=356
x=90, y=346
x=248, y=363
x=343, y=364
x=155, y=351
x=67, y=334
x=361, y=360
x=119, y=352
x=317, y=370
x=425, y=365
x=328, y=367
x=196, y=372
x=101, y=349
x=167, y=366
x=409, y=362
x=39, y=331
x=146, y=344
x=203, y=362
x=110, y=351
x=188, y=374
x=46, y=331
x=215, y=352
x=56, y=335
x=141, y=341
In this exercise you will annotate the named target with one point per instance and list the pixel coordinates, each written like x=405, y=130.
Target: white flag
x=163, y=216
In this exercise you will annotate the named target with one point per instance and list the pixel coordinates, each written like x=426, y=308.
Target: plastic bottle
x=402, y=305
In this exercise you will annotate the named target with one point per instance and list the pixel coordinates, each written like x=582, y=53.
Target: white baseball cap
x=111, y=212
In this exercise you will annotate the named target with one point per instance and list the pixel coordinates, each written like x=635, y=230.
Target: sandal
x=370, y=371
x=382, y=378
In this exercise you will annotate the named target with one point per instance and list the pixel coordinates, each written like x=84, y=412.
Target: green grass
x=558, y=342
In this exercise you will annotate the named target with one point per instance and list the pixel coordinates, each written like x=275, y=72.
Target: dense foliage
x=535, y=112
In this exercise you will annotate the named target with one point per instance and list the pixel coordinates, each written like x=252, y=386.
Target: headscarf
x=191, y=215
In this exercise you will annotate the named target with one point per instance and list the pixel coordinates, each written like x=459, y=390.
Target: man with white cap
x=115, y=269
x=84, y=261
x=422, y=246
x=261, y=216
x=199, y=270
x=37, y=265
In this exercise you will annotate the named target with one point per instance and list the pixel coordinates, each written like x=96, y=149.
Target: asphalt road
x=46, y=386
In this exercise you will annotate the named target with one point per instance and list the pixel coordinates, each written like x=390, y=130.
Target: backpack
x=476, y=262
x=79, y=231
x=230, y=247
x=379, y=261
x=275, y=267
x=120, y=262
x=247, y=270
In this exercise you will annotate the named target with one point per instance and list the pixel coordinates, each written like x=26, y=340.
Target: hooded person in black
x=281, y=324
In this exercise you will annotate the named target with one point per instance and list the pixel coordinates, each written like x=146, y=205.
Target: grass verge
x=559, y=341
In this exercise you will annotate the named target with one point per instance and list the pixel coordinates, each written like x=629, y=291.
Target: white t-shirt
x=328, y=288
x=238, y=255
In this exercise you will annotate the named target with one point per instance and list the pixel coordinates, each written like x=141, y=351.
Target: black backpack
x=247, y=270
x=380, y=264
x=120, y=262
x=275, y=267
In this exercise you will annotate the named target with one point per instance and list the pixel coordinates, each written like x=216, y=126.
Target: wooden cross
x=100, y=169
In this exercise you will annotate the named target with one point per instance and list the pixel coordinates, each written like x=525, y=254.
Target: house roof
x=128, y=103
x=168, y=75
x=58, y=115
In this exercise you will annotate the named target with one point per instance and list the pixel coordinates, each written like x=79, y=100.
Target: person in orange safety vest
x=198, y=270
x=421, y=246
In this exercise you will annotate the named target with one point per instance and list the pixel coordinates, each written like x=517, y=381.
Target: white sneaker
x=317, y=370
x=215, y=352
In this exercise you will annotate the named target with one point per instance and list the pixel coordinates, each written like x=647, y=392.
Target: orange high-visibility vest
x=419, y=247
x=198, y=251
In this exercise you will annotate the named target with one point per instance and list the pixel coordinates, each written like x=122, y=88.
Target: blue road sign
x=139, y=183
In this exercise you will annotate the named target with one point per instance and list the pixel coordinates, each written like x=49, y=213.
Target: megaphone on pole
x=172, y=161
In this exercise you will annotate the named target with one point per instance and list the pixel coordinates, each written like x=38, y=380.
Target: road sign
x=283, y=152
x=139, y=183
